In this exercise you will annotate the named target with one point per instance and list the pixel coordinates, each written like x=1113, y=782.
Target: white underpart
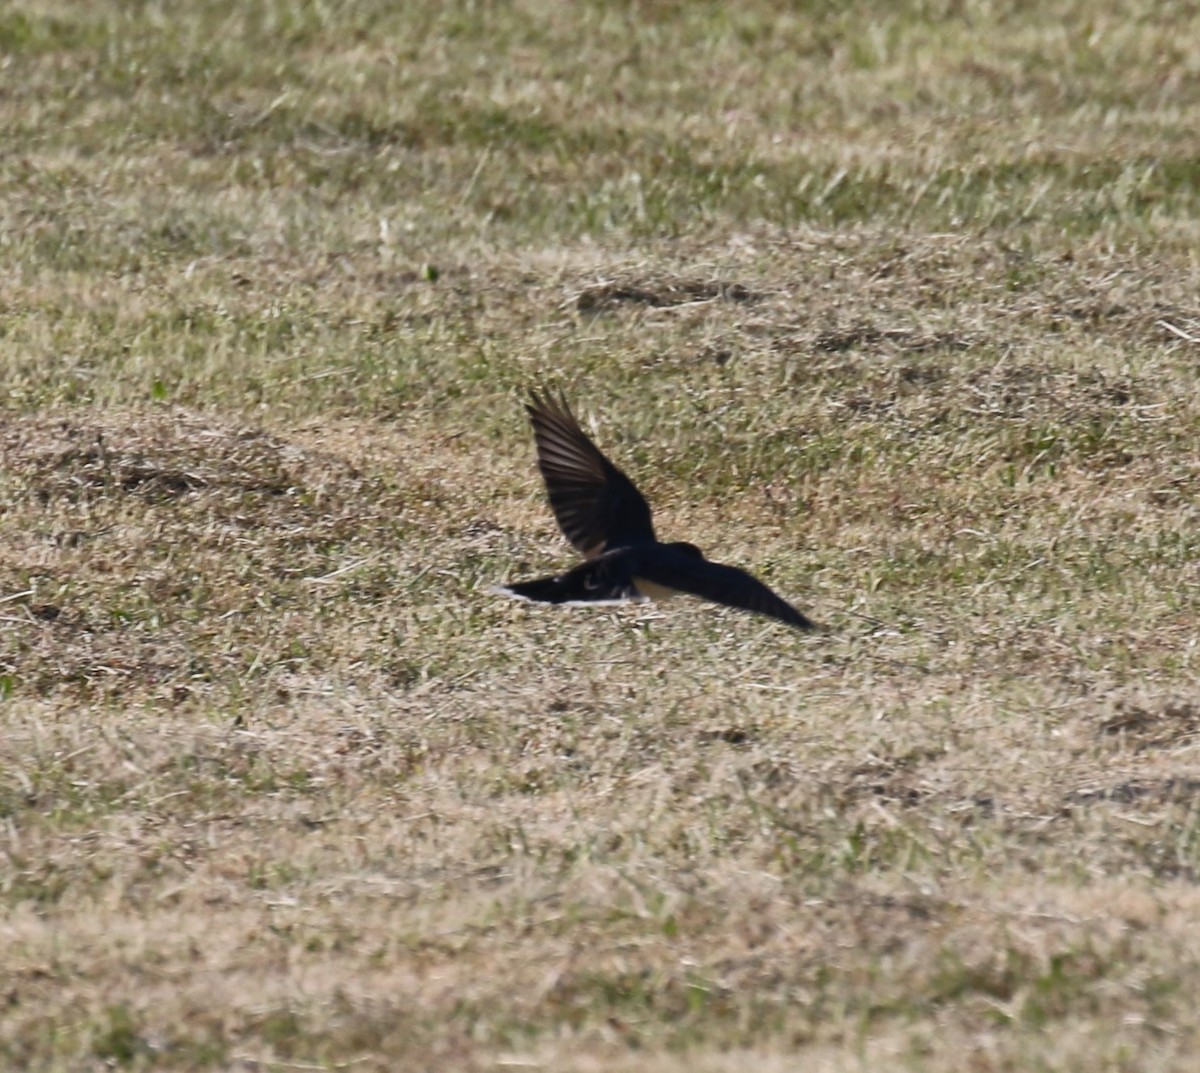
x=651, y=590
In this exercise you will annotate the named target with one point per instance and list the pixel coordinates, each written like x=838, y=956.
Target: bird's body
x=613, y=576
x=606, y=518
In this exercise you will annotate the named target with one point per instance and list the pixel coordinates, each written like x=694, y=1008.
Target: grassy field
x=897, y=305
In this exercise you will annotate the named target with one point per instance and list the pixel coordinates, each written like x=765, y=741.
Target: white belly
x=654, y=590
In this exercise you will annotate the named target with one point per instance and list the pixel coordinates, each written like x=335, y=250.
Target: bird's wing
x=597, y=506
x=722, y=584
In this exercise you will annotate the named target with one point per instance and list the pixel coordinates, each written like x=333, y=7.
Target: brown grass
x=896, y=308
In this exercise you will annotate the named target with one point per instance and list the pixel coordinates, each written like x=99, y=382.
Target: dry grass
x=897, y=309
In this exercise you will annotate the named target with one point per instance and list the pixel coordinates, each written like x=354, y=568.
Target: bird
x=608, y=521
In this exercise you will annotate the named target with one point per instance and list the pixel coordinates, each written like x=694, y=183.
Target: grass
x=896, y=307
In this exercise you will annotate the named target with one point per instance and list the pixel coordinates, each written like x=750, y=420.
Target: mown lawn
x=895, y=305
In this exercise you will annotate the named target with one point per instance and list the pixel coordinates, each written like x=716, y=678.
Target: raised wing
x=722, y=584
x=598, y=508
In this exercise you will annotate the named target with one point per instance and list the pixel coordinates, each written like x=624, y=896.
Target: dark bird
x=606, y=518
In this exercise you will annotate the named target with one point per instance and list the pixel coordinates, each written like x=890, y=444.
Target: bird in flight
x=606, y=518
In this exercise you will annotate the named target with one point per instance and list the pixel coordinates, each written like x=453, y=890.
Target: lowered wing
x=721, y=584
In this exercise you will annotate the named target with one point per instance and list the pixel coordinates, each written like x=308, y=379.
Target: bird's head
x=687, y=549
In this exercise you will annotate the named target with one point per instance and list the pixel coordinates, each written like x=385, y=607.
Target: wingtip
x=546, y=400
x=800, y=621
